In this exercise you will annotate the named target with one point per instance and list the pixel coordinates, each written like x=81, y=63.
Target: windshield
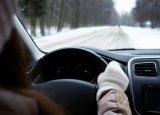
x=105, y=24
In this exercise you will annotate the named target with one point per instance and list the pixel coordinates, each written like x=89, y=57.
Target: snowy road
x=102, y=37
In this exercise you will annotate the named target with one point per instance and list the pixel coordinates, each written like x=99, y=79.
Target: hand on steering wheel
x=112, y=78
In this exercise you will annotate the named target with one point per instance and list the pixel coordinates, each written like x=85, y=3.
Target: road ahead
x=102, y=37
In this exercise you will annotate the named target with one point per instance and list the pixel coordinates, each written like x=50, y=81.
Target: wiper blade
x=121, y=49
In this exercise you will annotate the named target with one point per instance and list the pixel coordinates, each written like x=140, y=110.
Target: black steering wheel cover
x=75, y=97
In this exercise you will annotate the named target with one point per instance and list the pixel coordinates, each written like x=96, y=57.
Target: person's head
x=12, y=56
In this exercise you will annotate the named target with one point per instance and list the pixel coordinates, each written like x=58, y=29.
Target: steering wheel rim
x=67, y=93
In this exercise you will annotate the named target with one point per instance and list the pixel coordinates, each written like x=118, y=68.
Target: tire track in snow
x=112, y=38
x=119, y=39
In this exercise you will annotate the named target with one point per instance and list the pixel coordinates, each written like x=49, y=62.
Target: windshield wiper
x=121, y=49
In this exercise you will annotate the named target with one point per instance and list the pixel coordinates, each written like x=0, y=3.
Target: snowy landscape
x=103, y=37
x=93, y=23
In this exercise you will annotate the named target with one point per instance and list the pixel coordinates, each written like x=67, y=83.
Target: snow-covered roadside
x=48, y=32
x=105, y=37
x=146, y=38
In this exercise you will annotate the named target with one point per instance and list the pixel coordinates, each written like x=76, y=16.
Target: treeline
x=67, y=13
x=147, y=11
x=46, y=14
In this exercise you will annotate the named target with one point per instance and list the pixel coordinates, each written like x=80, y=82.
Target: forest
x=147, y=11
x=85, y=13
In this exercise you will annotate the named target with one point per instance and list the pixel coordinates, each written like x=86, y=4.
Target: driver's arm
x=111, y=98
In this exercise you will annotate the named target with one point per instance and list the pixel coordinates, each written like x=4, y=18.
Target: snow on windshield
x=105, y=24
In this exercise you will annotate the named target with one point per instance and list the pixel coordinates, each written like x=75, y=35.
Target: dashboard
x=141, y=66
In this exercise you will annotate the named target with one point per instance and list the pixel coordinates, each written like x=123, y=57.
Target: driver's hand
x=112, y=78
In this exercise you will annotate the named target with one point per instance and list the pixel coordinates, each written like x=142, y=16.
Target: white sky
x=123, y=6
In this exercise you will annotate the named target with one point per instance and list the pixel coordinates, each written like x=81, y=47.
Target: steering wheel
x=75, y=97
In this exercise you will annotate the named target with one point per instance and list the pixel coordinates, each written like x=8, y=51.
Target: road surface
x=103, y=37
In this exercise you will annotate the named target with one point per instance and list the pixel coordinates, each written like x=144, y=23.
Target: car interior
x=69, y=75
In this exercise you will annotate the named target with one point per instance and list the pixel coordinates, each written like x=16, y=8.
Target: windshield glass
x=105, y=24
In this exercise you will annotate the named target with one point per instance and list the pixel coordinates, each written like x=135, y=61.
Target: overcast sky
x=123, y=6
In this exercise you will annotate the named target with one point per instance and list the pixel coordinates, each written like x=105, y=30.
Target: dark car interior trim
x=144, y=87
